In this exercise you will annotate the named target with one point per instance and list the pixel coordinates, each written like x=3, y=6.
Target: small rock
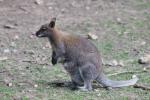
x=16, y=37
x=145, y=59
x=144, y=69
x=54, y=94
x=22, y=73
x=43, y=48
x=9, y=84
x=126, y=32
x=47, y=45
x=31, y=52
x=92, y=36
x=38, y=59
x=2, y=44
x=43, y=58
x=63, y=10
x=75, y=4
x=23, y=8
x=119, y=20
x=6, y=51
x=12, y=44
x=96, y=90
x=3, y=58
x=50, y=8
x=32, y=36
x=9, y=26
x=14, y=51
x=98, y=94
x=38, y=2
x=120, y=63
x=35, y=85
x=142, y=43
x=44, y=67
x=113, y=63
x=87, y=8
x=134, y=76
x=110, y=63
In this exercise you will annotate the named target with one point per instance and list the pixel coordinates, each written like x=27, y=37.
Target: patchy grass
x=120, y=41
x=6, y=92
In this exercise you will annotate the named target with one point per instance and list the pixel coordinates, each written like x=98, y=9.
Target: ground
x=26, y=73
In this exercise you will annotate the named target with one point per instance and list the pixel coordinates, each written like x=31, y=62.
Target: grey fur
x=83, y=62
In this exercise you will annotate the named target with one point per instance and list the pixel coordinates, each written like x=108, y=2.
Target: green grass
x=43, y=76
x=114, y=45
x=7, y=92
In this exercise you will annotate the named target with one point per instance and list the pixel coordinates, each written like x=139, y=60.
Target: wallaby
x=81, y=58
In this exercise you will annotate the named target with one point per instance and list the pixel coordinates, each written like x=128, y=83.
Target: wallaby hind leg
x=76, y=81
x=87, y=86
x=74, y=72
x=87, y=74
x=73, y=85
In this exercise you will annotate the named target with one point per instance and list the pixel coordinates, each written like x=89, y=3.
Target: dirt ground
x=122, y=27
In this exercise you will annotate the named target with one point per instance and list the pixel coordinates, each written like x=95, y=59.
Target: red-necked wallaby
x=81, y=58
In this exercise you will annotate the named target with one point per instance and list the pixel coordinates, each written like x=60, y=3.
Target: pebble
x=13, y=44
x=92, y=36
x=120, y=63
x=114, y=63
x=3, y=58
x=32, y=36
x=145, y=59
x=144, y=69
x=142, y=43
x=16, y=37
x=35, y=85
x=38, y=2
x=47, y=45
x=14, y=51
x=6, y=51
x=134, y=76
x=10, y=84
x=43, y=48
x=9, y=26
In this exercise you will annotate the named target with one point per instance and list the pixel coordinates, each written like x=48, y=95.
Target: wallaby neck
x=55, y=37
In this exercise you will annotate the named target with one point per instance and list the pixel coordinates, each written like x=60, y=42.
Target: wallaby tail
x=104, y=81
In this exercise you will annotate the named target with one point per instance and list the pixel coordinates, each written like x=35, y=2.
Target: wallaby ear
x=52, y=22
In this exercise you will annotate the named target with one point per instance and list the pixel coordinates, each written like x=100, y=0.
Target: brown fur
x=81, y=58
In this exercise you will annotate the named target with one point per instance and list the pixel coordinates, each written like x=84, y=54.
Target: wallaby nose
x=37, y=33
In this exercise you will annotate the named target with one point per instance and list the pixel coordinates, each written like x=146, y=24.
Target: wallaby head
x=46, y=30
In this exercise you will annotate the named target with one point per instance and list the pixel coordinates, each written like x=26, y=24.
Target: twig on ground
x=3, y=58
x=141, y=86
x=28, y=82
x=3, y=71
x=131, y=72
x=2, y=81
x=35, y=62
x=29, y=61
